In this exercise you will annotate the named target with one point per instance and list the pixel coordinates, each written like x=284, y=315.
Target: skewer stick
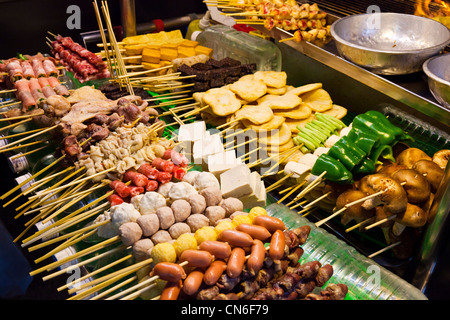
x=20, y=146
x=384, y=249
x=28, y=153
x=279, y=182
x=373, y=225
x=72, y=183
x=74, y=239
x=82, y=263
x=107, y=279
x=68, y=235
x=20, y=117
x=291, y=152
x=114, y=288
x=360, y=224
x=347, y=206
x=93, y=273
x=295, y=188
x=138, y=293
x=305, y=208
x=31, y=178
x=16, y=124
x=241, y=144
x=79, y=254
x=31, y=136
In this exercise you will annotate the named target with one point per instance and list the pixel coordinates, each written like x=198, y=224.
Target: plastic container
x=366, y=280
x=246, y=48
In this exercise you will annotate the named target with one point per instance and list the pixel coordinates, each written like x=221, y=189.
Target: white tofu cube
x=236, y=182
x=222, y=161
x=260, y=200
x=205, y=147
x=192, y=131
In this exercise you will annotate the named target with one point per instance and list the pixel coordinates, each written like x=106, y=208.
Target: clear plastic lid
x=366, y=280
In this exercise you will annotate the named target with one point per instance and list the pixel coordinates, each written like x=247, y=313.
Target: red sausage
x=178, y=173
x=197, y=258
x=115, y=199
x=192, y=282
x=236, y=262
x=214, y=271
x=255, y=231
x=256, y=258
x=179, y=159
x=134, y=190
x=152, y=185
x=121, y=188
x=167, y=154
x=157, y=163
x=236, y=238
x=270, y=223
x=219, y=249
x=168, y=271
x=276, y=250
x=171, y=291
x=147, y=170
x=137, y=178
x=164, y=177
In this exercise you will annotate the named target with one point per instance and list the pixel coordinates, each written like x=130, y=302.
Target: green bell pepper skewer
x=335, y=170
x=364, y=139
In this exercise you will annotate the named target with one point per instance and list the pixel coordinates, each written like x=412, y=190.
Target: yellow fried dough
x=302, y=111
x=278, y=148
x=336, y=111
x=255, y=113
x=276, y=91
x=304, y=89
x=318, y=100
x=222, y=101
x=278, y=136
x=285, y=101
x=275, y=123
x=249, y=90
x=273, y=79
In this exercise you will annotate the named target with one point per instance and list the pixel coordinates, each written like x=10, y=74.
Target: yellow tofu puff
x=151, y=54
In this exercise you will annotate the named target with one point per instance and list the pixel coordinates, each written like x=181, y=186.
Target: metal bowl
x=389, y=43
x=438, y=71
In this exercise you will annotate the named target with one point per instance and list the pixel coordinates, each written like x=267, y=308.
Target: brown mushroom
x=354, y=212
x=416, y=185
x=432, y=172
x=441, y=157
x=393, y=197
x=390, y=169
x=414, y=216
x=381, y=214
x=410, y=156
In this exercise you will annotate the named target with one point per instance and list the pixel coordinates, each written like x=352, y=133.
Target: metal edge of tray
x=389, y=88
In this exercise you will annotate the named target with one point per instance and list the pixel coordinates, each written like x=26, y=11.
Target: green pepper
x=364, y=139
x=347, y=153
x=399, y=133
x=384, y=151
x=335, y=170
x=367, y=123
x=367, y=166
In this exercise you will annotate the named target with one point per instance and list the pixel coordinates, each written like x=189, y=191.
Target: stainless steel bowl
x=438, y=71
x=389, y=43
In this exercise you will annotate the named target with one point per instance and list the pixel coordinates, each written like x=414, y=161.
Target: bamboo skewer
x=278, y=182
x=384, y=249
x=290, y=192
x=305, y=208
x=319, y=223
x=16, y=124
x=79, y=254
x=108, y=279
x=84, y=262
x=373, y=225
x=31, y=136
x=114, y=288
x=359, y=224
x=93, y=273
